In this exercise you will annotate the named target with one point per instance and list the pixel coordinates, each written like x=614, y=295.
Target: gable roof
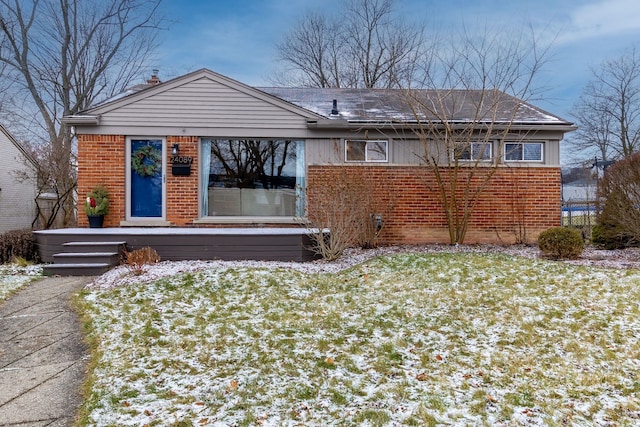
x=143, y=91
x=357, y=106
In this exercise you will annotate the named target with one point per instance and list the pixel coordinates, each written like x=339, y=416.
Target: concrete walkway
x=42, y=356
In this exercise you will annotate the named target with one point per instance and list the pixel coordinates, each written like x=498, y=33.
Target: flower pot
x=95, y=221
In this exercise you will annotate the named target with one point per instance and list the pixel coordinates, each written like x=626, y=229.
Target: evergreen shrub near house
x=561, y=243
x=618, y=224
x=97, y=202
x=610, y=237
x=18, y=244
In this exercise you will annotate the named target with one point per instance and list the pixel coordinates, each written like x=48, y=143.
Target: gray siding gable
x=201, y=103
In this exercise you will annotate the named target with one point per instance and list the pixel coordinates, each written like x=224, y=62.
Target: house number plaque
x=181, y=165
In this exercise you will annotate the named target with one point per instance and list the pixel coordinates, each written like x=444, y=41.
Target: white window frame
x=483, y=145
x=522, y=159
x=367, y=144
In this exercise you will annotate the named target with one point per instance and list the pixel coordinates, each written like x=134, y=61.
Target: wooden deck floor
x=176, y=244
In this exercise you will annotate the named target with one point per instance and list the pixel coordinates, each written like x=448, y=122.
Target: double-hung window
x=366, y=151
x=475, y=151
x=523, y=151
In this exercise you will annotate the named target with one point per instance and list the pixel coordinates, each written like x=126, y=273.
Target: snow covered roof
x=381, y=105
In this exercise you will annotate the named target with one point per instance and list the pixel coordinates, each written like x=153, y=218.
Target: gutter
x=81, y=120
x=363, y=124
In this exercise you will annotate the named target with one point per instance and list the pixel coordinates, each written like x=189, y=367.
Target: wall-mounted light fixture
x=377, y=221
x=175, y=149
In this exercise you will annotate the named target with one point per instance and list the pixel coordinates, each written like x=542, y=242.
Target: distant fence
x=47, y=202
x=579, y=214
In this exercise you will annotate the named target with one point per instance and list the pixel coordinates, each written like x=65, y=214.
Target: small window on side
x=366, y=151
x=523, y=152
x=476, y=151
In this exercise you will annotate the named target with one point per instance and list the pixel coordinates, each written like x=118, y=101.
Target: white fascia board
x=81, y=120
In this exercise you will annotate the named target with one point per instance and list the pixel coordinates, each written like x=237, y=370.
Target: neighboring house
x=18, y=185
x=303, y=138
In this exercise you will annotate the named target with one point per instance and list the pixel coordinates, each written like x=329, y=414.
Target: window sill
x=145, y=223
x=249, y=220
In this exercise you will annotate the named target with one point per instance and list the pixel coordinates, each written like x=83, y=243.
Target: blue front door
x=146, y=189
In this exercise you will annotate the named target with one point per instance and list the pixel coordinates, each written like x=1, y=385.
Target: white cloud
x=604, y=18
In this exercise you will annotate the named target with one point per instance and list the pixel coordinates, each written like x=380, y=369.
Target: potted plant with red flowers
x=97, y=206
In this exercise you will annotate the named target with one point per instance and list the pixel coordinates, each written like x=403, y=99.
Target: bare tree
x=367, y=46
x=58, y=57
x=351, y=207
x=464, y=129
x=608, y=111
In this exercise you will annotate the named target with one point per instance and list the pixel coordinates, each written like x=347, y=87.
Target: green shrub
x=18, y=244
x=619, y=205
x=561, y=243
x=608, y=236
x=97, y=202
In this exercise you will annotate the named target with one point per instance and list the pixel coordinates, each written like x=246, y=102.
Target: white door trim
x=143, y=221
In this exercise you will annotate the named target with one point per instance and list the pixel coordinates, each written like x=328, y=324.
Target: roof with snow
x=397, y=105
x=380, y=106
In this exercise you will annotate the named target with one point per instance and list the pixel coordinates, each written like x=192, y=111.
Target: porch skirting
x=177, y=244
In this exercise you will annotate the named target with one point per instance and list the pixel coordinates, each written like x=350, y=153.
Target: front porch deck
x=177, y=244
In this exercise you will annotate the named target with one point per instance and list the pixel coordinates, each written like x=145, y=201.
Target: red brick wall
x=101, y=160
x=182, y=191
x=518, y=203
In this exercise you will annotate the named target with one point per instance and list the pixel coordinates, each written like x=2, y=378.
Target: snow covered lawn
x=405, y=339
x=13, y=277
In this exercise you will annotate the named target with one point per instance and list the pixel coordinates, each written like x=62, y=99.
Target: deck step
x=118, y=247
x=81, y=269
x=86, y=258
x=112, y=258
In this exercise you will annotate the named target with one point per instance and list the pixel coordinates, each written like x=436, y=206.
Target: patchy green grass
x=14, y=276
x=456, y=339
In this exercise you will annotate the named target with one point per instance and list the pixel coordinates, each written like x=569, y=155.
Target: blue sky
x=237, y=37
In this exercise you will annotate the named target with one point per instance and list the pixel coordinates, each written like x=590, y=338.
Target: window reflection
x=253, y=177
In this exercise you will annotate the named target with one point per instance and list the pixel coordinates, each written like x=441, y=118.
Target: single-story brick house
x=18, y=185
x=204, y=150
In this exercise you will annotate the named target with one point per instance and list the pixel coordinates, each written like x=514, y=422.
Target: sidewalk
x=42, y=356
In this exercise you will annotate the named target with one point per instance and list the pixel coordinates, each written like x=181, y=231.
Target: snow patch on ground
x=447, y=340
x=122, y=275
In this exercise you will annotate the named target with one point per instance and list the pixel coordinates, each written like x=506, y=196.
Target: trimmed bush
x=18, y=244
x=561, y=243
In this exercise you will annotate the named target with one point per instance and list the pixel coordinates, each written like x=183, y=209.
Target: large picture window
x=251, y=177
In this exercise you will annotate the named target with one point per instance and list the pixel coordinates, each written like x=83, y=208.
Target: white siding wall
x=17, y=199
